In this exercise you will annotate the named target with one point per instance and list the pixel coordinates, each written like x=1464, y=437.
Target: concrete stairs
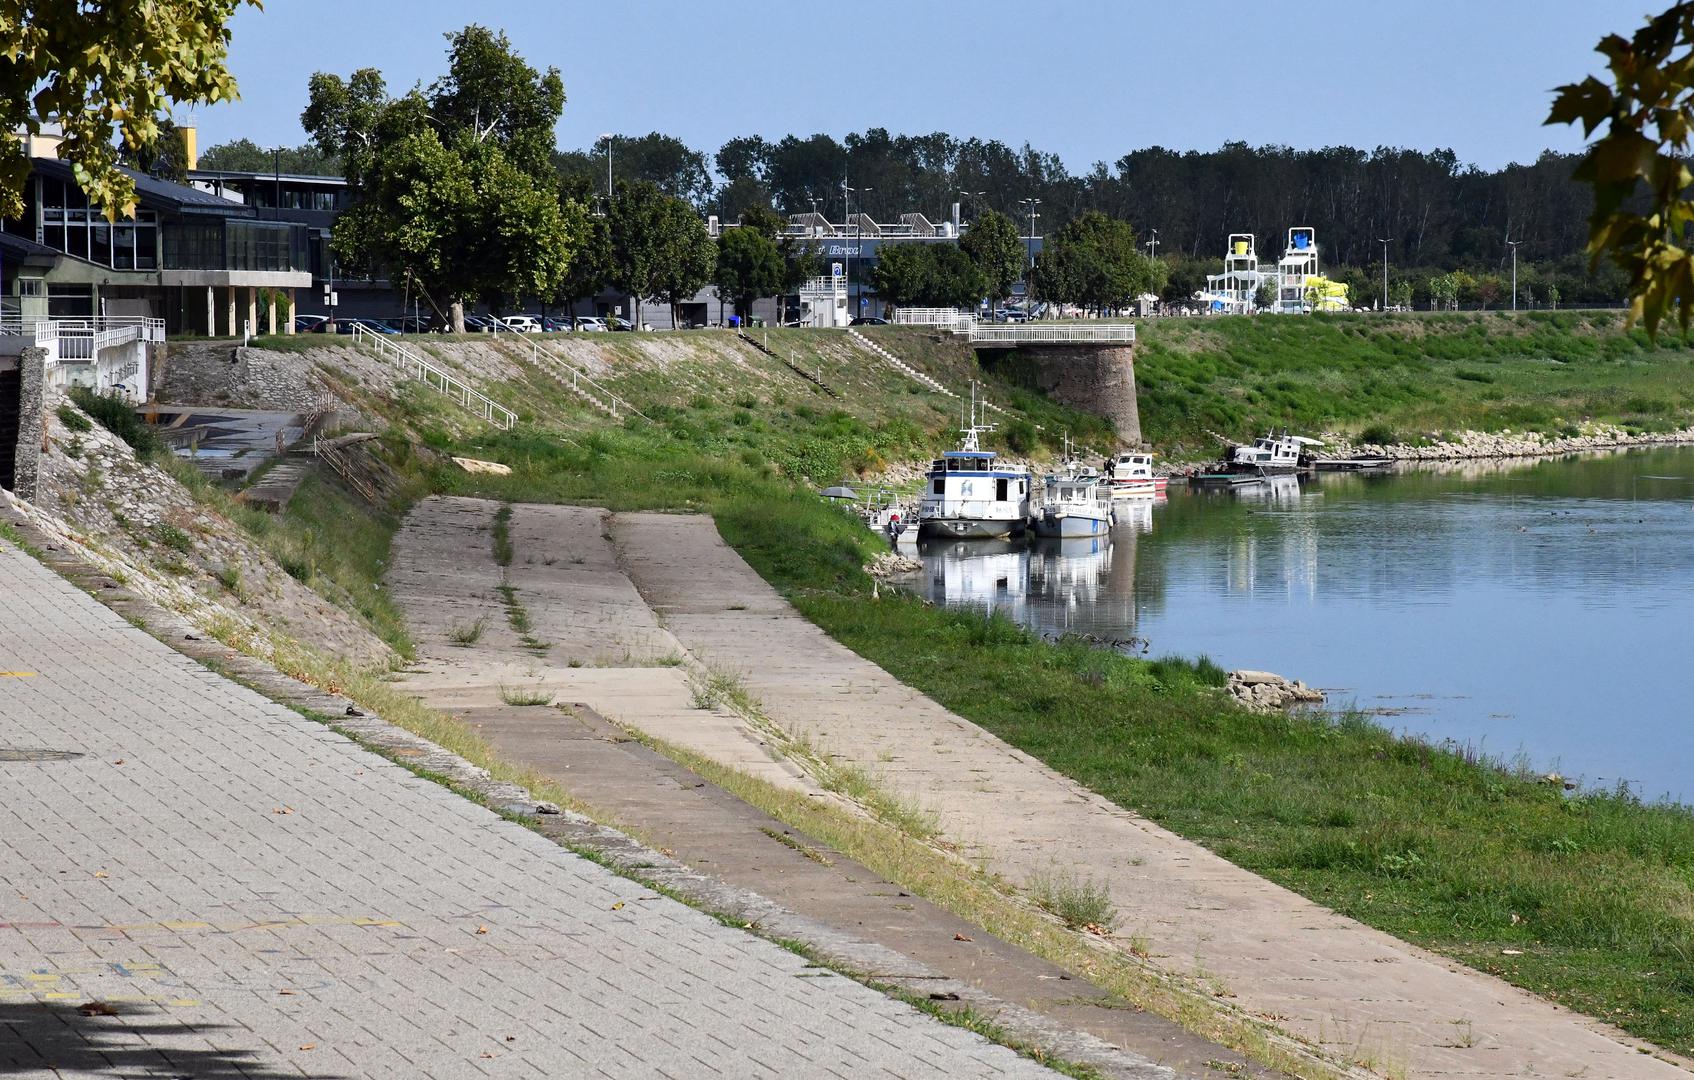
x=277, y=486
x=579, y=383
x=815, y=380
x=900, y=365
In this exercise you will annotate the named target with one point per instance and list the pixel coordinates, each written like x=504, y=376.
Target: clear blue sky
x=1086, y=79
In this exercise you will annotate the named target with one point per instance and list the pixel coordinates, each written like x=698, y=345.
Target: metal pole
x=1514, y=246
x=1384, y=244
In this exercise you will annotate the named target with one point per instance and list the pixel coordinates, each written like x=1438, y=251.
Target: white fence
x=930, y=316
x=1051, y=333
x=436, y=378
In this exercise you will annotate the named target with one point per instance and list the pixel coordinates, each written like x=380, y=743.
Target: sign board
x=834, y=269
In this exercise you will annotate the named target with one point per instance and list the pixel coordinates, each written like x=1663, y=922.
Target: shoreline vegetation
x=1585, y=898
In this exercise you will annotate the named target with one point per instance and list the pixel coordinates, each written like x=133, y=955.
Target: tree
x=590, y=268
x=748, y=267
x=1093, y=261
x=455, y=188
x=901, y=274
x=954, y=279
x=166, y=158
x=687, y=255
x=996, y=250
x=245, y=155
x=1400, y=295
x=1443, y=292
x=1649, y=123
x=1265, y=296
x=105, y=73
x=661, y=160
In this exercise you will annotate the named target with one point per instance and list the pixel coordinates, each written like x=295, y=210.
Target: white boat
x=1074, y=505
x=1131, y=474
x=968, y=496
x=1270, y=455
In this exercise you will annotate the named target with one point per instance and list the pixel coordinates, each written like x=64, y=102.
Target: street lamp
x=1384, y=244
x=978, y=194
x=606, y=137
x=852, y=231
x=1030, y=205
x=1153, y=244
x=1513, y=244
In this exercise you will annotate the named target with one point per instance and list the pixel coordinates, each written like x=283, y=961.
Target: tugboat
x=968, y=496
x=1131, y=473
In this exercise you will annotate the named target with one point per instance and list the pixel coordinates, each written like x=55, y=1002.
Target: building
x=202, y=263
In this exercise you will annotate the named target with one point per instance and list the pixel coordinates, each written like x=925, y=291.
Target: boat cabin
x=969, y=495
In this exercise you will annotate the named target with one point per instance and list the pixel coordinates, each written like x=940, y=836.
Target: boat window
x=940, y=485
x=1000, y=487
x=939, y=466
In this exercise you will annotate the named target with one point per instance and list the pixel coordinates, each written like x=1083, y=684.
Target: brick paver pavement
x=256, y=896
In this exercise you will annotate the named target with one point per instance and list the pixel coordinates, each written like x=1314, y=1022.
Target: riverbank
x=1406, y=379
x=1584, y=900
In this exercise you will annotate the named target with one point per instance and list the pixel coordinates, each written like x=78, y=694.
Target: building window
x=31, y=286
x=70, y=301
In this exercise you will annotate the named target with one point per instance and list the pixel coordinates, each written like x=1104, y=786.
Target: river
x=1534, y=611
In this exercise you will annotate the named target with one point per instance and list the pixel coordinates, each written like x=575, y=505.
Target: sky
x=1088, y=80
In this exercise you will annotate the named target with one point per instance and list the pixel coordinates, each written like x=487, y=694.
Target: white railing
x=46, y=328
x=930, y=316
x=1052, y=334
x=437, y=378
x=580, y=383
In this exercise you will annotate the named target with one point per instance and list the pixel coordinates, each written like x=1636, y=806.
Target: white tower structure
x=1299, y=262
x=1232, y=292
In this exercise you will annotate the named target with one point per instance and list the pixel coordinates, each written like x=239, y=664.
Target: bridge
x=1088, y=364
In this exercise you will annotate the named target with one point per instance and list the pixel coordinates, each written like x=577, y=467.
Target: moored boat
x=1270, y=455
x=1073, y=505
x=1131, y=474
x=969, y=496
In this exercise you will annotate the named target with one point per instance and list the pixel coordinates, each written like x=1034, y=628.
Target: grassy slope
x=1411, y=374
x=1596, y=893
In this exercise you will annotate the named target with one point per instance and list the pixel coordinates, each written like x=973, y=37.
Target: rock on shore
x=1504, y=444
x=1264, y=691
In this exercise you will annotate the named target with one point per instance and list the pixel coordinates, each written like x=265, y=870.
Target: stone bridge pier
x=1094, y=378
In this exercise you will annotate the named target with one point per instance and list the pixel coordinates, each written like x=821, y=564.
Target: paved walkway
x=1360, y=993
x=253, y=895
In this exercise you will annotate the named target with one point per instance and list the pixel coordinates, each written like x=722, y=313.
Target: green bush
x=73, y=420
x=1379, y=435
x=115, y=415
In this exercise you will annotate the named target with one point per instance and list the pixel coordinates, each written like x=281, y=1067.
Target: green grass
x=1593, y=894
x=1409, y=375
x=1586, y=900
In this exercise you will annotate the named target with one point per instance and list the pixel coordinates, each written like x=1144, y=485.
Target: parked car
x=590, y=323
x=615, y=323
x=868, y=320
x=1011, y=315
x=523, y=324
x=307, y=324
x=555, y=324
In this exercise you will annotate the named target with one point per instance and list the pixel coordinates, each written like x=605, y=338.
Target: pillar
x=270, y=308
x=211, y=312
x=26, y=469
x=1095, y=378
x=252, y=309
x=230, y=290
x=292, y=311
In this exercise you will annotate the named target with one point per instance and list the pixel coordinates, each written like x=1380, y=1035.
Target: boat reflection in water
x=1055, y=586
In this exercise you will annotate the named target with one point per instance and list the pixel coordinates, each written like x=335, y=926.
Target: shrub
x=115, y=415
x=73, y=420
x=1379, y=435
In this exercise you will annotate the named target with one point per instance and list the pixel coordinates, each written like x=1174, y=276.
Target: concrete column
x=230, y=290
x=270, y=308
x=1096, y=378
x=252, y=310
x=32, y=365
x=211, y=312
x=292, y=311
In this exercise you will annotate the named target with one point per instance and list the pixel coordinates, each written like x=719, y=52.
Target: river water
x=1530, y=610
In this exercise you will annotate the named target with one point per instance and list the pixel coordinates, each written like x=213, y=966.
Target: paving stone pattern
x=254, y=895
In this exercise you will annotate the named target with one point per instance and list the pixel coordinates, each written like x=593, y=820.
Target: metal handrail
x=437, y=378
x=595, y=392
x=1063, y=333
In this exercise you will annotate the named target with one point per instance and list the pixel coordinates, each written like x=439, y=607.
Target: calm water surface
x=1536, y=608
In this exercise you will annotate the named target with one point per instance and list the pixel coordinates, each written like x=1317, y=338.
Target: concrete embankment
x=1470, y=445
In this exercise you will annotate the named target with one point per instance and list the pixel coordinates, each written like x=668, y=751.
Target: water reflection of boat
x=1135, y=515
x=1069, y=570
x=992, y=573
x=1277, y=490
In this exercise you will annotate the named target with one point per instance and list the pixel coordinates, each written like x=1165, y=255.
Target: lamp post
x=1029, y=271
x=1384, y=244
x=607, y=136
x=1153, y=244
x=1513, y=244
x=977, y=194
x=852, y=232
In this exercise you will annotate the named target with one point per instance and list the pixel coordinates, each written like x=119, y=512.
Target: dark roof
x=296, y=178
x=18, y=247
x=152, y=192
